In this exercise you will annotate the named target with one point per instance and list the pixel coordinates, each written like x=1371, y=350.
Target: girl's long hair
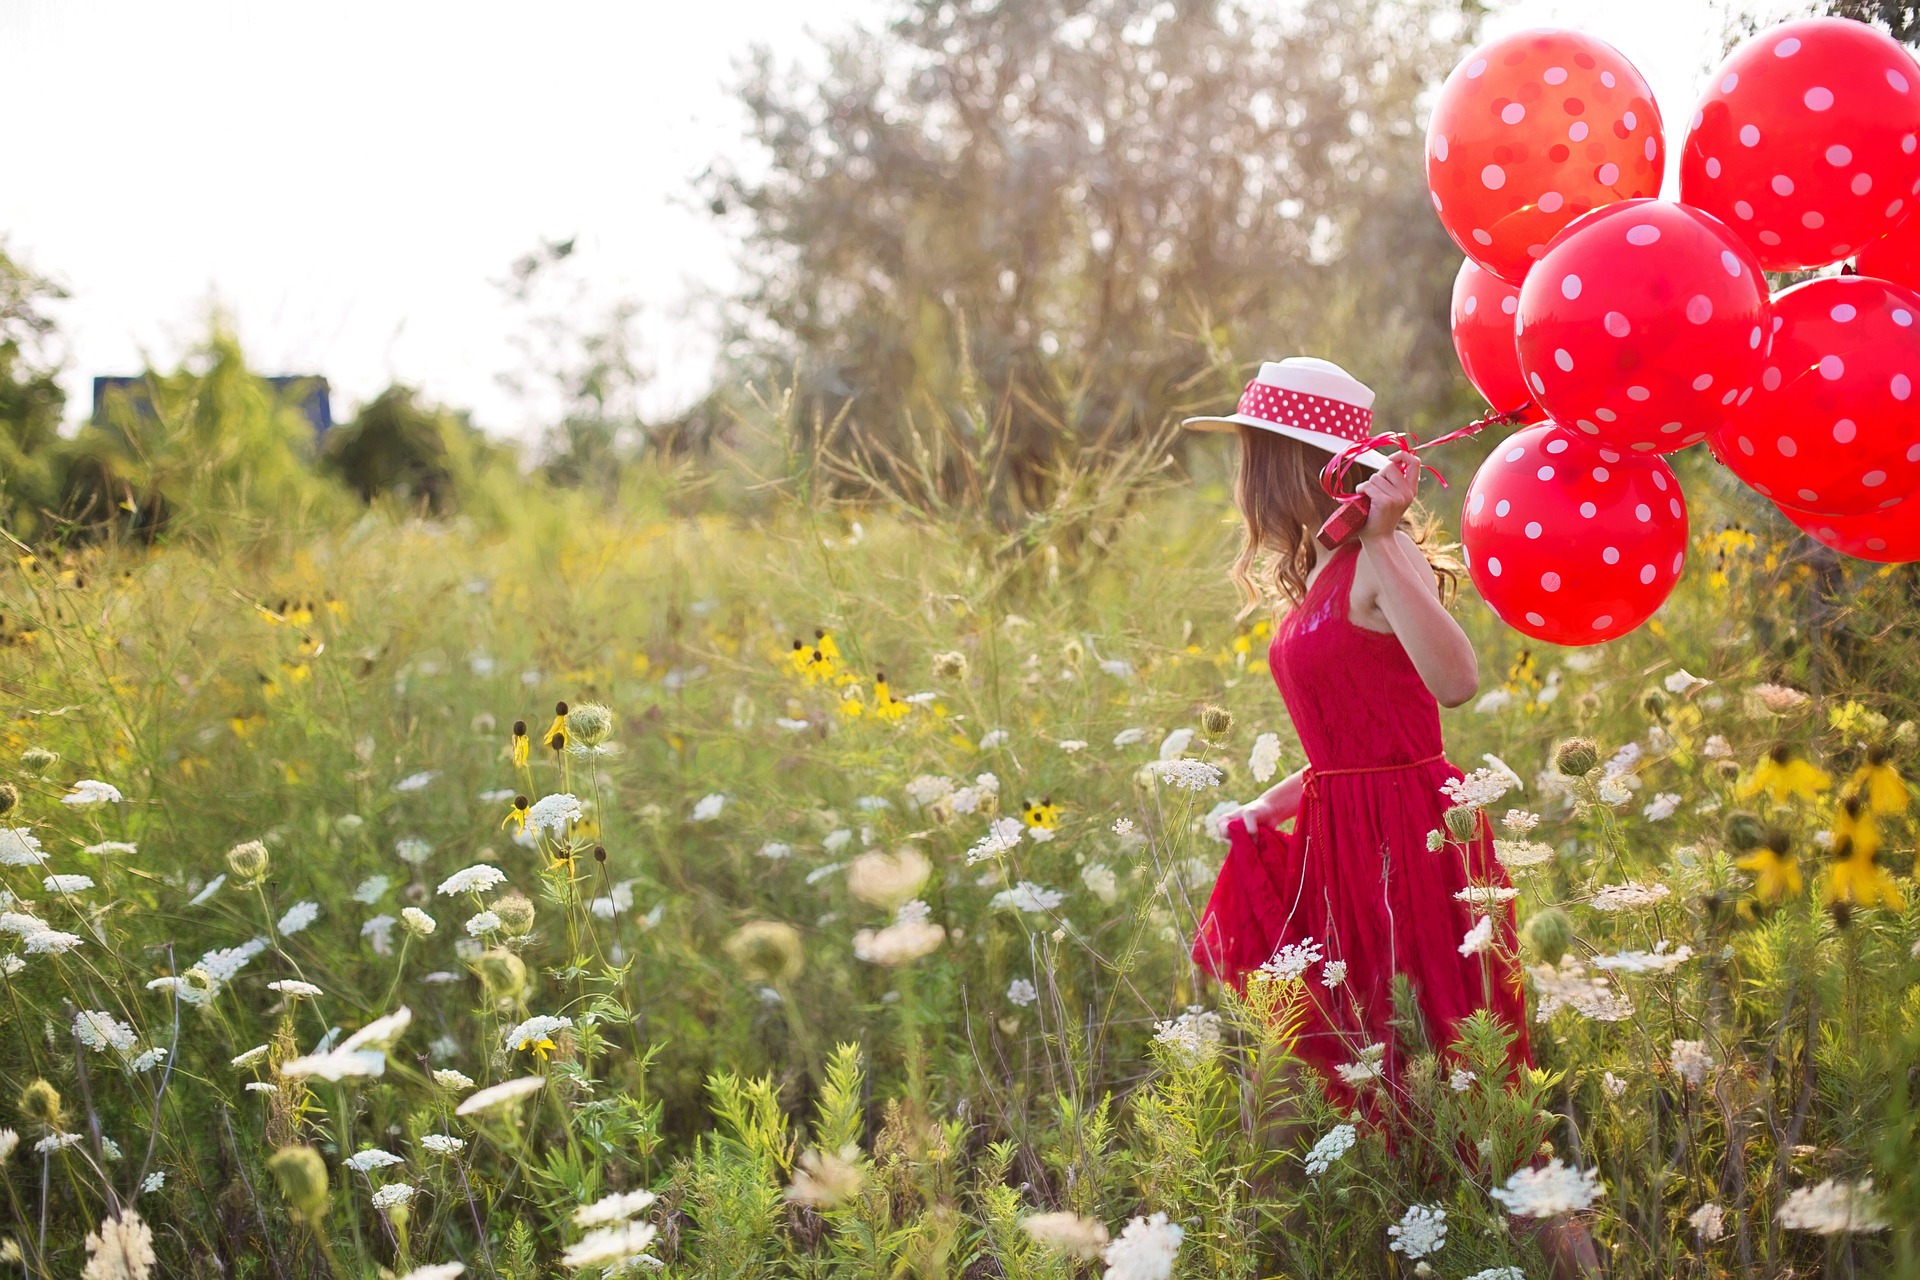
x=1282, y=505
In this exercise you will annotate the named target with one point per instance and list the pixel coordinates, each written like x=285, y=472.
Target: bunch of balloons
x=1617, y=327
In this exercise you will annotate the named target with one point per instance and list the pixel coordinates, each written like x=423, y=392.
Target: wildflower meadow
x=805, y=888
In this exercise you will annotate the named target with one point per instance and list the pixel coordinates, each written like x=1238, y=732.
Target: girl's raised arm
x=1408, y=594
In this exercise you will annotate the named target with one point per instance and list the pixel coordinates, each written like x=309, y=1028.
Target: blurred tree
x=1901, y=17
x=397, y=447
x=31, y=402
x=1101, y=198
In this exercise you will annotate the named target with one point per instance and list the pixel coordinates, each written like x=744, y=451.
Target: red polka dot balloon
x=1571, y=541
x=1808, y=141
x=1644, y=325
x=1895, y=256
x=1889, y=537
x=1833, y=428
x=1483, y=308
x=1530, y=132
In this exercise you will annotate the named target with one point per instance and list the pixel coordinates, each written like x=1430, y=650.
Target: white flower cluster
x=1188, y=775
x=1661, y=807
x=1518, y=855
x=1658, y=960
x=1485, y=897
x=1478, y=789
x=1145, y=1250
x=1369, y=1066
x=1335, y=1143
x=554, y=814
x=1022, y=992
x=298, y=917
x=1421, y=1230
x=1569, y=987
x=530, y=1033
x=969, y=799
x=1478, y=939
x=1833, y=1207
x=1549, y=1190
x=100, y=1031
x=1709, y=1222
x=1265, y=760
x=1627, y=896
x=1194, y=1036
x=19, y=848
x=1003, y=834
x=927, y=789
x=1027, y=896
x=370, y=1159
x=1691, y=1061
x=475, y=879
x=1291, y=962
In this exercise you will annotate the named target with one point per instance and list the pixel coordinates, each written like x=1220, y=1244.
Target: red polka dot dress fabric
x=1355, y=875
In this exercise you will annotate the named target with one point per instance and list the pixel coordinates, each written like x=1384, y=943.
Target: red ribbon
x=1349, y=517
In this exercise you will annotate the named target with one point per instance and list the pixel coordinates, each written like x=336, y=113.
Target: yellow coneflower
x=1885, y=790
x=521, y=745
x=1782, y=775
x=824, y=643
x=885, y=705
x=1858, y=879
x=1776, y=871
x=559, y=726
x=517, y=814
x=1041, y=813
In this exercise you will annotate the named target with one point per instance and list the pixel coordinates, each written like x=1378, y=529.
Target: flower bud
x=37, y=759
x=1653, y=703
x=302, y=1176
x=502, y=973
x=1548, y=933
x=950, y=666
x=589, y=723
x=40, y=1102
x=417, y=922
x=1217, y=721
x=1576, y=757
x=1745, y=831
x=767, y=951
x=516, y=914
x=248, y=861
x=9, y=798
x=1463, y=822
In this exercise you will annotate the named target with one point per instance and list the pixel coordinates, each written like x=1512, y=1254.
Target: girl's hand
x=1391, y=490
x=1281, y=802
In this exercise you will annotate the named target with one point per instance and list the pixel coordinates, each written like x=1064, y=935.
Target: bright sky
x=349, y=180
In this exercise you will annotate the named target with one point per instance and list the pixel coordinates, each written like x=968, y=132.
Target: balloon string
x=1353, y=508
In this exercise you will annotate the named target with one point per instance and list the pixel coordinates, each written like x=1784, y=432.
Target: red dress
x=1355, y=875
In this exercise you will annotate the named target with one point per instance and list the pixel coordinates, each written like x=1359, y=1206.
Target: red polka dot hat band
x=1315, y=401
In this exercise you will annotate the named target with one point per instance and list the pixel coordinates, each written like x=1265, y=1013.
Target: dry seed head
x=1463, y=822
x=1548, y=933
x=951, y=665
x=503, y=974
x=767, y=951
x=590, y=723
x=248, y=861
x=1217, y=721
x=516, y=913
x=302, y=1176
x=1576, y=757
x=38, y=759
x=40, y=1102
x=9, y=798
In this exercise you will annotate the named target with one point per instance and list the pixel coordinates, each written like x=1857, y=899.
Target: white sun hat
x=1315, y=401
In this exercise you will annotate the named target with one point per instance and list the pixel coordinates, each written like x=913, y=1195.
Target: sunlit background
x=351, y=183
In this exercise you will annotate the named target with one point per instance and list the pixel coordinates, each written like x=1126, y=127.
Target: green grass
x=284, y=688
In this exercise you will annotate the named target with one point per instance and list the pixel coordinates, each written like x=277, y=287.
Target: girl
x=1364, y=656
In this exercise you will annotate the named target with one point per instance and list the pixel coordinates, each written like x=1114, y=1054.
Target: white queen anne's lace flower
x=1194, y=1036
x=475, y=879
x=1336, y=1142
x=1691, y=1061
x=1478, y=789
x=89, y=792
x=497, y=1094
x=1658, y=960
x=709, y=807
x=1265, y=760
x=1066, y=1233
x=1002, y=835
x=1628, y=896
x=1833, y=1207
x=1421, y=1230
x=67, y=884
x=1145, y=1250
x=1292, y=961
x=370, y=1159
x=1569, y=987
x=1709, y=1222
x=1027, y=896
x=535, y=1030
x=611, y=1246
x=618, y=1207
x=298, y=917
x=19, y=848
x=1550, y=1190
x=1022, y=992
x=442, y=1144
x=100, y=1031
x=393, y=1196
x=1188, y=775
x=553, y=814
x=1478, y=939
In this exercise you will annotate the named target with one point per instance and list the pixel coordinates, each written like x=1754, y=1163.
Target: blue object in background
x=308, y=393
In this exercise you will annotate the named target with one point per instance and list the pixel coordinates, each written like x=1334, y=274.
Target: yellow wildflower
x=1776, y=871
x=1855, y=721
x=885, y=705
x=518, y=814
x=1044, y=814
x=556, y=734
x=1880, y=783
x=1858, y=879
x=1782, y=776
x=521, y=745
